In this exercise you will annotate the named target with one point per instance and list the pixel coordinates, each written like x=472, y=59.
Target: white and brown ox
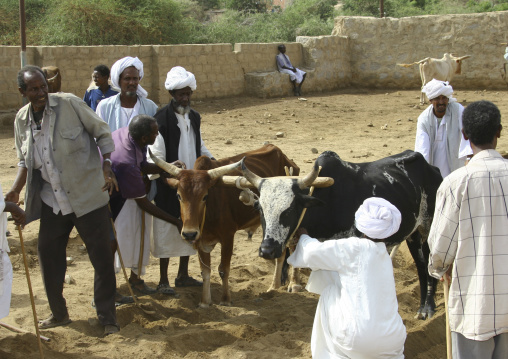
x=440, y=69
x=212, y=213
x=406, y=180
x=53, y=78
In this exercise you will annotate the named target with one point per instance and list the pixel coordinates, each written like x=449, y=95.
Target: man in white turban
x=439, y=131
x=357, y=313
x=119, y=110
x=179, y=139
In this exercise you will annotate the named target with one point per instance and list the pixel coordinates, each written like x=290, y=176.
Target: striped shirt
x=470, y=231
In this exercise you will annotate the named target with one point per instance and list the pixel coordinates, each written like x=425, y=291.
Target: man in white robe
x=5, y=264
x=357, y=313
x=179, y=139
x=438, y=133
x=296, y=75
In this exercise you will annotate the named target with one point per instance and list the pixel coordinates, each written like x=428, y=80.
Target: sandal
x=52, y=322
x=122, y=299
x=164, y=288
x=187, y=282
x=141, y=287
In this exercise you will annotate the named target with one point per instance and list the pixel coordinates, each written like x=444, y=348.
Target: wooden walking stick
x=142, y=245
x=36, y=322
x=446, y=284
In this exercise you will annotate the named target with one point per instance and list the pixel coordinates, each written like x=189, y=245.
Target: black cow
x=406, y=180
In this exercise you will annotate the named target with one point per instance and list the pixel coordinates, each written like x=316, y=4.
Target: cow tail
x=285, y=268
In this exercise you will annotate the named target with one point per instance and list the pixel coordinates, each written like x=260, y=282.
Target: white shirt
x=469, y=231
x=357, y=314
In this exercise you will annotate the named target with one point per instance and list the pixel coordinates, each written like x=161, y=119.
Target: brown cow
x=53, y=78
x=212, y=213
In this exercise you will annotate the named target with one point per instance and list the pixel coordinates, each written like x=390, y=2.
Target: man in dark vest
x=179, y=139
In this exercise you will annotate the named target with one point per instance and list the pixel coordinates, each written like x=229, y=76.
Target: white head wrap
x=179, y=78
x=122, y=64
x=377, y=218
x=436, y=88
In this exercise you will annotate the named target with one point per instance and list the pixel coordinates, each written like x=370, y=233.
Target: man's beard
x=182, y=110
x=130, y=93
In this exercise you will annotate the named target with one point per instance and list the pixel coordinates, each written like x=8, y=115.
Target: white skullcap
x=179, y=78
x=377, y=218
x=122, y=64
x=436, y=88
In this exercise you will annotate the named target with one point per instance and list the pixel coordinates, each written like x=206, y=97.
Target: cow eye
x=178, y=196
x=205, y=198
x=256, y=205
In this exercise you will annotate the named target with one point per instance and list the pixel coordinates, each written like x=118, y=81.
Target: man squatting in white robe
x=5, y=263
x=439, y=131
x=357, y=313
x=179, y=139
x=118, y=111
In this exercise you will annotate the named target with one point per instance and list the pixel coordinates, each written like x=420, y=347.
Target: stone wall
x=377, y=45
x=219, y=68
x=362, y=52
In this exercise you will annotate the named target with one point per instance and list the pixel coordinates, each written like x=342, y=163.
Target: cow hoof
x=425, y=313
x=204, y=305
x=226, y=304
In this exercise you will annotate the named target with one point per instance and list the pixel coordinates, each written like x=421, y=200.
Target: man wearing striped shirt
x=469, y=240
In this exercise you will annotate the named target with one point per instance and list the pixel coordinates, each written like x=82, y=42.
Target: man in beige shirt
x=56, y=137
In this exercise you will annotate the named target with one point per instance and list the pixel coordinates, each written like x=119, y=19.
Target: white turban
x=436, y=88
x=122, y=64
x=377, y=218
x=179, y=78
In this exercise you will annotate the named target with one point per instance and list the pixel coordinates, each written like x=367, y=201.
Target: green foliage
x=247, y=6
x=35, y=11
x=128, y=22
x=401, y=8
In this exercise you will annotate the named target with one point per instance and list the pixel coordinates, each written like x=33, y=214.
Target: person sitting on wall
x=284, y=65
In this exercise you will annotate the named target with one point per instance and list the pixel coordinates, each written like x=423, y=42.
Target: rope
x=291, y=241
x=201, y=231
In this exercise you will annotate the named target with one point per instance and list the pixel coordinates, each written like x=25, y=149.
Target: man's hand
x=109, y=177
x=179, y=164
x=17, y=213
x=12, y=196
x=19, y=217
x=296, y=238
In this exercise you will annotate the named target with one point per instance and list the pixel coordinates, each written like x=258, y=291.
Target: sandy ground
x=360, y=125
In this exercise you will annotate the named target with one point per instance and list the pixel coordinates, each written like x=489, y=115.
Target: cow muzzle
x=269, y=249
x=190, y=236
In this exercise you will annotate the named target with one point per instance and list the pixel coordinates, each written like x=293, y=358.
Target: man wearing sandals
x=179, y=139
x=57, y=139
x=130, y=203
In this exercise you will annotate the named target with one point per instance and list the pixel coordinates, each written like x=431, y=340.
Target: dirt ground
x=359, y=124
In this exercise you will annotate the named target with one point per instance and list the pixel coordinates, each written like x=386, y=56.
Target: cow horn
x=311, y=177
x=463, y=57
x=169, y=168
x=251, y=176
x=223, y=170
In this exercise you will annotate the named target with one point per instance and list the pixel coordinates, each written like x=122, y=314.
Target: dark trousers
x=94, y=229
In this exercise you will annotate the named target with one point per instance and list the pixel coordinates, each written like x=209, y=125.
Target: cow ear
x=308, y=201
x=172, y=182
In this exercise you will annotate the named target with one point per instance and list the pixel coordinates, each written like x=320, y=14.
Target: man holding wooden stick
x=58, y=138
x=469, y=240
